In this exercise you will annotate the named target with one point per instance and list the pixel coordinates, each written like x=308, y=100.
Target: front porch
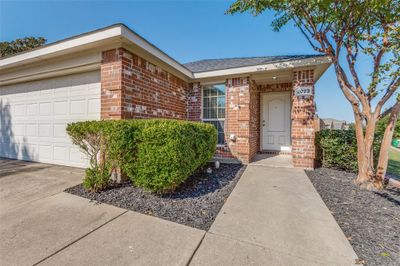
x=263, y=115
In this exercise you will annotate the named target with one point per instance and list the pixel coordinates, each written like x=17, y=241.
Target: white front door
x=275, y=121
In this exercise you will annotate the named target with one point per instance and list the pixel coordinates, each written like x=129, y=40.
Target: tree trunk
x=362, y=164
x=385, y=145
x=365, y=144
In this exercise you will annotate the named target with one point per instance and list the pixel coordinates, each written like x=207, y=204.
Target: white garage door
x=34, y=116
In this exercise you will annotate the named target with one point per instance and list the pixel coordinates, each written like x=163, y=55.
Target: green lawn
x=394, y=161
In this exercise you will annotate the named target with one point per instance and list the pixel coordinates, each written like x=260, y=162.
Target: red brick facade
x=237, y=117
x=303, y=119
x=194, y=102
x=111, y=85
x=135, y=88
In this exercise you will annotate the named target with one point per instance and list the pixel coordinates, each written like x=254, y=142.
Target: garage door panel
x=60, y=107
x=77, y=107
x=18, y=129
x=19, y=110
x=45, y=109
x=59, y=131
x=31, y=130
x=34, y=117
x=60, y=152
x=75, y=155
x=31, y=109
x=28, y=151
x=45, y=151
x=44, y=130
x=93, y=106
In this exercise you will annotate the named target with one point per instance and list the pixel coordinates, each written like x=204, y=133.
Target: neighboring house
x=256, y=103
x=330, y=123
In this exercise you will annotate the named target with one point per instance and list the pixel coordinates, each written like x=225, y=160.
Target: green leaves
x=20, y=45
x=169, y=151
x=336, y=26
x=338, y=148
x=156, y=154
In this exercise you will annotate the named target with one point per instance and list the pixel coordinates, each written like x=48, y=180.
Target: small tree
x=20, y=45
x=343, y=30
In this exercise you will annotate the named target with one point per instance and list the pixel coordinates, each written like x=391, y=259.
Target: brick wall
x=135, y=88
x=111, y=85
x=303, y=128
x=194, y=102
x=237, y=118
x=254, y=120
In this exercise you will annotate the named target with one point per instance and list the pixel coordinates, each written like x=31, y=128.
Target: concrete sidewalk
x=274, y=216
x=41, y=225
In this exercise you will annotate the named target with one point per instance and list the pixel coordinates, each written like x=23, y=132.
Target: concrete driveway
x=23, y=182
x=40, y=224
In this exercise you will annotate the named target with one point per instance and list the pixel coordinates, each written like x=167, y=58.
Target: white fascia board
x=309, y=62
x=147, y=46
x=64, y=46
x=60, y=47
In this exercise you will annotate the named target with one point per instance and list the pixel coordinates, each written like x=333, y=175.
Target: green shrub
x=338, y=149
x=91, y=137
x=169, y=151
x=156, y=154
x=96, y=179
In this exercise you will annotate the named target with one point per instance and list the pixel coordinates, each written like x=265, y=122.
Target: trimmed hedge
x=338, y=149
x=170, y=151
x=156, y=154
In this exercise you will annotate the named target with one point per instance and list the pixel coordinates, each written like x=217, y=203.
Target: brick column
x=237, y=118
x=303, y=129
x=111, y=84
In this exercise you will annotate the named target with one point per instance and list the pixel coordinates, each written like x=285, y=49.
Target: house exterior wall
x=237, y=117
x=135, y=88
x=254, y=120
x=303, y=122
x=194, y=102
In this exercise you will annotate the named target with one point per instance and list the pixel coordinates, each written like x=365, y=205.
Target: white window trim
x=202, y=108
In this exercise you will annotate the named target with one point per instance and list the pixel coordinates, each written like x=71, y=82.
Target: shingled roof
x=226, y=63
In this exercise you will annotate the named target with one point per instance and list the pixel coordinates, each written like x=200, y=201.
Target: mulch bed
x=369, y=219
x=195, y=203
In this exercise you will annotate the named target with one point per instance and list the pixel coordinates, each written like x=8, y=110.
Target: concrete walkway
x=272, y=160
x=274, y=216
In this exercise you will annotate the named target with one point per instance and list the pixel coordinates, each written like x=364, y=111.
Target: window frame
x=202, y=86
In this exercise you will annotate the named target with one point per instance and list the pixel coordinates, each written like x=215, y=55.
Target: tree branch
x=391, y=89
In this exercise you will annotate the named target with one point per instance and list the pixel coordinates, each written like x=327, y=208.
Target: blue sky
x=186, y=30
